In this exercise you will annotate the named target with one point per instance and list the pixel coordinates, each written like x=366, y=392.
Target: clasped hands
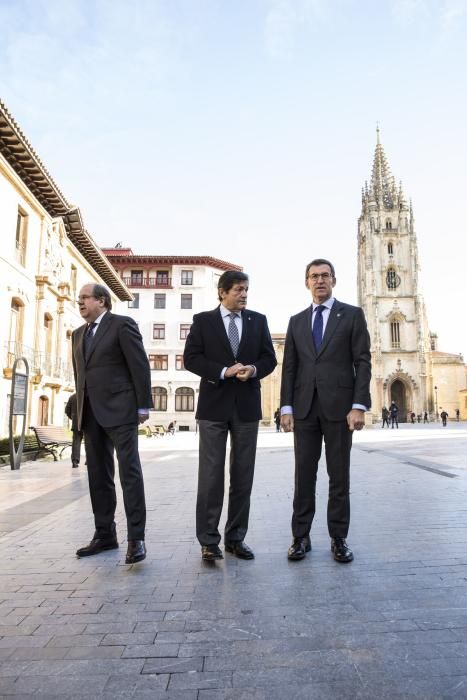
x=239, y=371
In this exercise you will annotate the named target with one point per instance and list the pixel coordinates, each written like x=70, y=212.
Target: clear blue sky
x=245, y=129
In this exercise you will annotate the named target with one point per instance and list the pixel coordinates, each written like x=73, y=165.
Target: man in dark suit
x=230, y=348
x=72, y=413
x=324, y=394
x=113, y=391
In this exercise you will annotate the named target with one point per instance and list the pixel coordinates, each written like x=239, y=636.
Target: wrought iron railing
x=39, y=362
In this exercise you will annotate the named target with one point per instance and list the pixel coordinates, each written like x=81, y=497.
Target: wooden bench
x=52, y=439
x=156, y=430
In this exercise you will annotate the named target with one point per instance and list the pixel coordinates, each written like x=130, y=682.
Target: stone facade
x=46, y=256
x=407, y=368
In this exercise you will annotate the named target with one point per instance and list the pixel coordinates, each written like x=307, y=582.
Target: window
x=388, y=224
x=184, y=399
x=395, y=334
x=159, y=398
x=158, y=361
x=136, y=277
x=390, y=249
x=186, y=301
x=184, y=330
x=179, y=362
x=135, y=303
x=187, y=277
x=21, y=236
x=73, y=282
x=16, y=331
x=159, y=301
x=48, y=330
x=162, y=278
x=158, y=331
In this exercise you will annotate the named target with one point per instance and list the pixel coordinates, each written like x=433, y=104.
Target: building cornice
x=123, y=257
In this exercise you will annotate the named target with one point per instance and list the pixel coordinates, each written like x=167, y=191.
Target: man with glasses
x=113, y=391
x=325, y=392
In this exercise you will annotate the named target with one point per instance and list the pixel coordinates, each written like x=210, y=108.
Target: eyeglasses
x=85, y=296
x=325, y=276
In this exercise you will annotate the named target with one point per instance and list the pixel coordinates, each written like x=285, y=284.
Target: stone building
x=167, y=292
x=407, y=366
x=46, y=256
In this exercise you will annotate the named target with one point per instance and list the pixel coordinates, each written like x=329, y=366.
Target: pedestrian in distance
x=113, y=391
x=72, y=414
x=230, y=348
x=457, y=415
x=425, y=417
x=325, y=392
x=412, y=418
x=277, y=419
x=394, y=413
x=171, y=427
x=444, y=418
x=385, y=417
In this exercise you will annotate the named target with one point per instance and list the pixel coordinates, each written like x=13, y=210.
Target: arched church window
x=395, y=334
x=390, y=249
x=392, y=279
x=388, y=224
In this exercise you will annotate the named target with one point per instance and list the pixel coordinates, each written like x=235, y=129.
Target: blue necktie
x=318, y=327
x=234, y=338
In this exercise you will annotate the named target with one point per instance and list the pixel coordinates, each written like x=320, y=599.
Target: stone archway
x=398, y=394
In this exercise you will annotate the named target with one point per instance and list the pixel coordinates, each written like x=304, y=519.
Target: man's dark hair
x=101, y=292
x=320, y=261
x=228, y=279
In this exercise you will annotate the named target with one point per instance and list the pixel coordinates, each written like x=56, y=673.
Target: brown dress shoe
x=97, y=545
x=136, y=551
x=211, y=552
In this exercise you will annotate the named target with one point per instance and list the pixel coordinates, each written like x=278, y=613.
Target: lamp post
x=436, y=403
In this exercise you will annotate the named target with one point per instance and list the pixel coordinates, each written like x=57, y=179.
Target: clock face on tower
x=392, y=279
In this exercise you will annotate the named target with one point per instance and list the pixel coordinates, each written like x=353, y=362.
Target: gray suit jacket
x=340, y=372
x=116, y=377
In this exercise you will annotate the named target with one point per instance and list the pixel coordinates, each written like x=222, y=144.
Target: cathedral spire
x=383, y=185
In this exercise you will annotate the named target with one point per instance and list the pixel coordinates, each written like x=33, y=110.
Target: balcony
x=148, y=282
x=41, y=364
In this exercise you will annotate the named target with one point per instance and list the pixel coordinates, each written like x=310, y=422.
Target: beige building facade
x=45, y=257
x=407, y=366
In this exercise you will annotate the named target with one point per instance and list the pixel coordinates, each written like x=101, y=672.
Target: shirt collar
x=225, y=312
x=99, y=318
x=327, y=304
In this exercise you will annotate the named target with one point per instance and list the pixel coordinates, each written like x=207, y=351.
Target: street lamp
x=436, y=403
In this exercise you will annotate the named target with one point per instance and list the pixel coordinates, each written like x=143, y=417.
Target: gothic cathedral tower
x=389, y=295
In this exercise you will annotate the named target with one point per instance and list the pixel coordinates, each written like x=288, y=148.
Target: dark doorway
x=398, y=395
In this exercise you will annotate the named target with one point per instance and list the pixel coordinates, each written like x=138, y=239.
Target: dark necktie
x=88, y=339
x=318, y=327
x=234, y=338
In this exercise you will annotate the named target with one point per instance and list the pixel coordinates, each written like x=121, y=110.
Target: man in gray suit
x=325, y=392
x=113, y=391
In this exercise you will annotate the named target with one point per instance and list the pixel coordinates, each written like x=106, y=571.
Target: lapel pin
x=338, y=315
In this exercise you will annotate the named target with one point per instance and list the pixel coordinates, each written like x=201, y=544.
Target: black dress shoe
x=75, y=464
x=240, y=549
x=341, y=551
x=136, y=551
x=299, y=547
x=97, y=545
x=211, y=552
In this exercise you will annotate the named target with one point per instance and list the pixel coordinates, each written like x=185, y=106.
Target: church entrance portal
x=398, y=394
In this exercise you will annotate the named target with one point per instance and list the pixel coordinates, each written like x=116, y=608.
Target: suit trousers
x=100, y=443
x=308, y=440
x=76, y=445
x=211, y=478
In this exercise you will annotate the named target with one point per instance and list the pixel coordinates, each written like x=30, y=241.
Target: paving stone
x=187, y=665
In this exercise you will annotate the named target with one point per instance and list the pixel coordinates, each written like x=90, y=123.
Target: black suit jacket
x=340, y=372
x=208, y=351
x=116, y=377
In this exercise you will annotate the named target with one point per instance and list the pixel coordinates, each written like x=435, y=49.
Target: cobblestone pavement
x=392, y=624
